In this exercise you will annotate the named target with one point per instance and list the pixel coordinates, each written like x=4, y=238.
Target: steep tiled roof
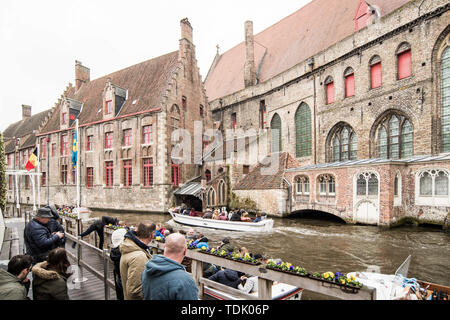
x=145, y=83
x=256, y=180
x=24, y=129
x=306, y=32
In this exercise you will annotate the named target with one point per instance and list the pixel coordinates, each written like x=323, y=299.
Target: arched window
x=395, y=137
x=367, y=184
x=302, y=185
x=327, y=185
x=211, y=198
x=349, y=76
x=329, y=90
x=208, y=175
x=445, y=93
x=344, y=143
x=403, y=61
x=275, y=126
x=222, y=192
x=303, y=139
x=375, y=72
x=174, y=117
x=434, y=183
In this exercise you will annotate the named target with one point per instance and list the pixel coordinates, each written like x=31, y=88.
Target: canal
x=323, y=243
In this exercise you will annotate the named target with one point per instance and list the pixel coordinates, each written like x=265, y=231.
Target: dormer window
x=108, y=107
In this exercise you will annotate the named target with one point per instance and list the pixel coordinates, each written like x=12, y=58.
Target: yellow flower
x=353, y=278
x=158, y=238
x=213, y=250
x=204, y=248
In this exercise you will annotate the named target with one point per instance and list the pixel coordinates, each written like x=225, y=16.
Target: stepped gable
x=255, y=180
x=308, y=31
x=146, y=83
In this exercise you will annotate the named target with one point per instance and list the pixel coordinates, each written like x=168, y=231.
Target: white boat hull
x=280, y=291
x=264, y=225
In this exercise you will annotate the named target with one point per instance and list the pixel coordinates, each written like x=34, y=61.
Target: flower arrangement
x=115, y=227
x=338, y=278
x=69, y=214
x=286, y=267
x=235, y=256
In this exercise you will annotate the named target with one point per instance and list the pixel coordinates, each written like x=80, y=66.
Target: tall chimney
x=82, y=74
x=249, y=68
x=26, y=111
x=186, y=30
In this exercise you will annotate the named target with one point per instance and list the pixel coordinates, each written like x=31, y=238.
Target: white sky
x=40, y=40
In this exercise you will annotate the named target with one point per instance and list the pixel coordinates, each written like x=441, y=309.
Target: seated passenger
x=203, y=243
x=208, y=214
x=245, y=217
x=215, y=215
x=258, y=217
x=223, y=216
x=236, y=216
x=228, y=277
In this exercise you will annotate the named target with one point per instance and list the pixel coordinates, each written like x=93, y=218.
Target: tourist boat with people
x=398, y=287
x=261, y=226
x=280, y=291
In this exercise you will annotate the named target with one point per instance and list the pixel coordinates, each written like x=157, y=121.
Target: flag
x=75, y=148
x=32, y=161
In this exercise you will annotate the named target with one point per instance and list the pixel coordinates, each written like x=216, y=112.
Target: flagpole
x=78, y=168
x=37, y=176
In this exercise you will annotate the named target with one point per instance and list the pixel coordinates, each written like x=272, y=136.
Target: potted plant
x=286, y=267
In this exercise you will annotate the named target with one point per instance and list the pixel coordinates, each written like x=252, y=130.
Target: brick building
x=359, y=94
x=126, y=120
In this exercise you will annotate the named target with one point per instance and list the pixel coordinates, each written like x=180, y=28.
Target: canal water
x=322, y=243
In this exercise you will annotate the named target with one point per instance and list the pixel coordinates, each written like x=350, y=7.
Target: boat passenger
x=223, y=216
x=248, y=285
x=203, y=243
x=245, y=217
x=216, y=214
x=263, y=216
x=228, y=277
x=236, y=216
x=208, y=214
x=258, y=217
x=226, y=245
x=190, y=235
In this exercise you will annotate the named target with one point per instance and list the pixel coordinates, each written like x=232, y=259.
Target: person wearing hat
x=116, y=239
x=54, y=226
x=39, y=240
x=226, y=245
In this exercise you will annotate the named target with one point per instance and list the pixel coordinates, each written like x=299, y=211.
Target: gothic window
x=349, y=76
x=302, y=185
x=395, y=137
x=327, y=185
x=344, y=144
x=275, y=126
x=434, y=183
x=207, y=175
x=303, y=139
x=445, y=93
x=367, y=184
x=222, y=192
x=211, y=198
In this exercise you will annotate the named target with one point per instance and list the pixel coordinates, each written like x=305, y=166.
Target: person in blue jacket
x=165, y=278
x=39, y=240
x=202, y=242
x=54, y=226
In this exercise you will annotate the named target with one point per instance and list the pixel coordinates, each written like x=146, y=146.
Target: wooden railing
x=266, y=277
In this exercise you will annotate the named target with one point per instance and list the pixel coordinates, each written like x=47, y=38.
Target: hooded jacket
x=227, y=277
x=135, y=255
x=11, y=287
x=166, y=279
x=48, y=284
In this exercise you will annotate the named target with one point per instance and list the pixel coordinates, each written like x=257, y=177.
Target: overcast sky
x=40, y=40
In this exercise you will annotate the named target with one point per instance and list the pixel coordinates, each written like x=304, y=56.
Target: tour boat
x=280, y=291
x=263, y=225
x=393, y=286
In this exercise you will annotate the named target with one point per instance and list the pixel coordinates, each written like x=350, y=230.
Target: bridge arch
x=325, y=213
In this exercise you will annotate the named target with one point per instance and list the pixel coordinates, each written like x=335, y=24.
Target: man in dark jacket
x=164, y=278
x=54, y=226
x=228, y=277
x=14, y=283
x=236, y=216
x=39, y=240
x=98, y=226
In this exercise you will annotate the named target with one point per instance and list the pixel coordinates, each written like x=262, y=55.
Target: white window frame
x=433, y=199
